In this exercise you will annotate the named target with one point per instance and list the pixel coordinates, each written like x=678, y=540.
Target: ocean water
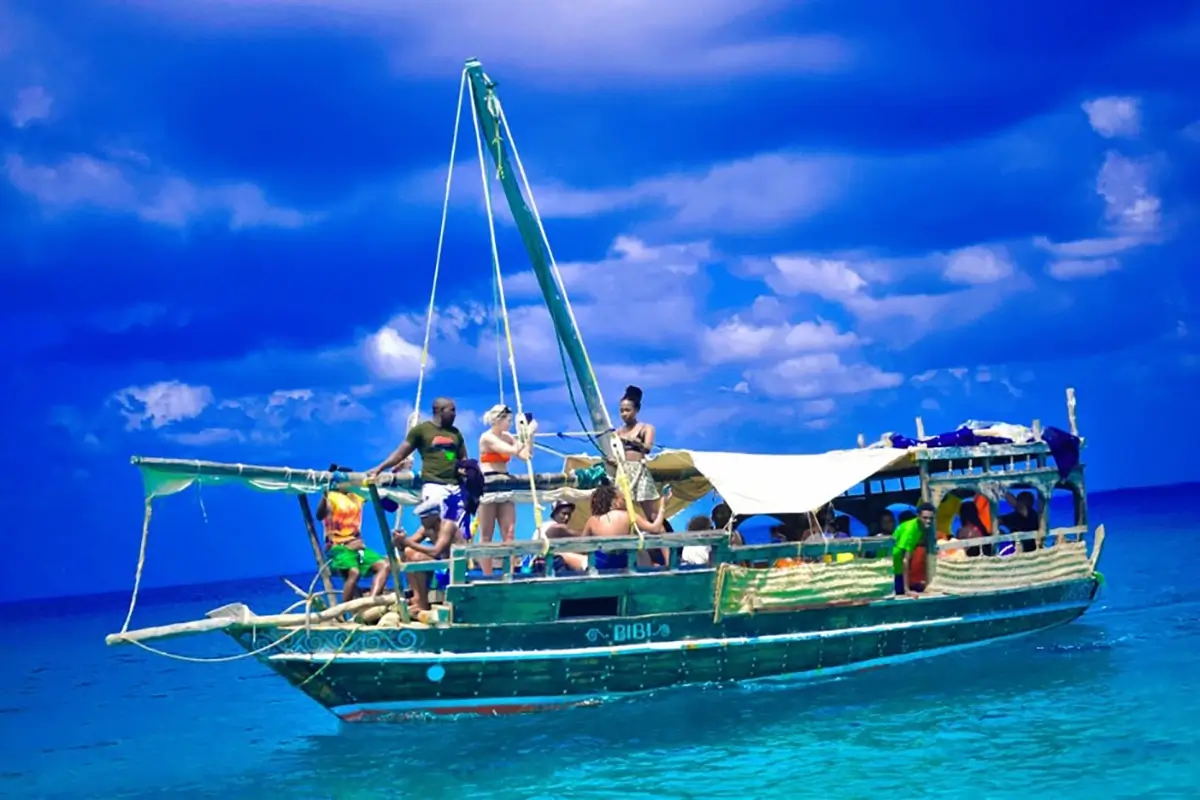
x=1108, y=707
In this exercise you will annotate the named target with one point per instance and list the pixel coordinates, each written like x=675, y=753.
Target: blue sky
x=788, y=222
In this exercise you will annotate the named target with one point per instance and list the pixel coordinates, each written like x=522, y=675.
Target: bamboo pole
x=310, y=481
x=390, y=548
x=244, y=617
x=310, y=525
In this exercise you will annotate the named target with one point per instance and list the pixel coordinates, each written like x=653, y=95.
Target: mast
x=487, y=110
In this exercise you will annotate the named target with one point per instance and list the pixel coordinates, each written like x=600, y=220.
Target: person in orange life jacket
x=455, y=511
x=441, y=446
x=341, y=513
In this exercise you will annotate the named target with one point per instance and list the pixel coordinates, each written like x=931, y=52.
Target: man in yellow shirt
x=341, y=512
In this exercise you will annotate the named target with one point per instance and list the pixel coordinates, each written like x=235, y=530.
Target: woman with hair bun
x=637, y=439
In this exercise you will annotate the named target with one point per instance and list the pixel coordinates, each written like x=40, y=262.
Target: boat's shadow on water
x=977, y=684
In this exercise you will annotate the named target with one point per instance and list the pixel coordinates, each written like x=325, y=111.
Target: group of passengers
x=454, y=490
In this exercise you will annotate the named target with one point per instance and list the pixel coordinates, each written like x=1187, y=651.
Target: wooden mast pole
x=310, y=525
x=489, y=113
x=390, y=549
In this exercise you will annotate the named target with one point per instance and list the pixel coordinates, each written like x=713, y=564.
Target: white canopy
x=792, y=484
x=763, y=484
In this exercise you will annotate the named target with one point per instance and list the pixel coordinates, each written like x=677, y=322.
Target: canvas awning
x=766, y=484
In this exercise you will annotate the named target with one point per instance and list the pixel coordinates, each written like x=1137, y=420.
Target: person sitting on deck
x=611, y=517
x=970, y=526
x=454, y=512
x=558, y=527
x=441, y=446
x=697, y=555
x=822, y=526
x=887, y=523
x=722, y=519
x=1022, y=519
x=909, y=551
x=341, y=513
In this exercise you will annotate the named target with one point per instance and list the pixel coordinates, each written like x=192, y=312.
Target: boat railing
x=511, y=553
x=1073, y=533
x=864, y=546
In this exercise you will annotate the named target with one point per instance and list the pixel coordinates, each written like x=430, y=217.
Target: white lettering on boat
x=623, y=632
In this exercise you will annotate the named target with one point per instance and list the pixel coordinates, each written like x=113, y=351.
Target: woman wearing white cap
x=497, y=446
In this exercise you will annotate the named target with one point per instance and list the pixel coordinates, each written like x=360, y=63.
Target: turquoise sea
x=1108, y=707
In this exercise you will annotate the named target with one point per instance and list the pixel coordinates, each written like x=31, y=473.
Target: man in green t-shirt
x=441, y=446
x=909, y=551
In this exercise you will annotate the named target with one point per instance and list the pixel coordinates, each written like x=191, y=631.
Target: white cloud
x=647, y=375
x=899, y=318
x=162, y=403
x=819, y=408
x=929, y=404
x=392, y=357
x=160, y=198
x=1075, y=268
x=1133, y=215
x=1088, y=248
x=1114, y=116
x=584, y=41
x=207, y=436
x=763, y=192
x=1192, y=131
x=736, y=341
x=33, y=103
x=978, y=265
x=814, y=375
x=1130, y=208
x=828, y=279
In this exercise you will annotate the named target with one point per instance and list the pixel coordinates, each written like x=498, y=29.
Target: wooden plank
x=1005, y=479
x=314, y=539
x=537, y=599
x=765, y=552
x=394, y=559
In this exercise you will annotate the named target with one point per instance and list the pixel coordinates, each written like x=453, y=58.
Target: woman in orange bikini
x=497, y=446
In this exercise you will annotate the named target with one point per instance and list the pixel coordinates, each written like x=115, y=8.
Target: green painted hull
x=387, y=674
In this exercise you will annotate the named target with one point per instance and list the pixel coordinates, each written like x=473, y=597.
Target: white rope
x=537, y=217
x=437, y=262
x=512, y=358
x=141, y=564
x=499, y=346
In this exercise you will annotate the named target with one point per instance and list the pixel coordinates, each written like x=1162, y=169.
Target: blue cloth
x=611, y=560
x=961, y=437
x=454, y=508
x=1064, y=448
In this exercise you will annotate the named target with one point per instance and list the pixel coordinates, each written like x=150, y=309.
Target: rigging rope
x=499, y=352
x=512, y=358
x=437, y=262
x=537, y=217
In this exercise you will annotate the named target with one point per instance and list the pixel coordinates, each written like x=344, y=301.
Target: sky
x=788, y=222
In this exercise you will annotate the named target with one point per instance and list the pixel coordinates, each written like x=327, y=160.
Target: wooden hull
x=388, y=674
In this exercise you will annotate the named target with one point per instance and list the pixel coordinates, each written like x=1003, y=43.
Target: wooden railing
x=510, y=552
